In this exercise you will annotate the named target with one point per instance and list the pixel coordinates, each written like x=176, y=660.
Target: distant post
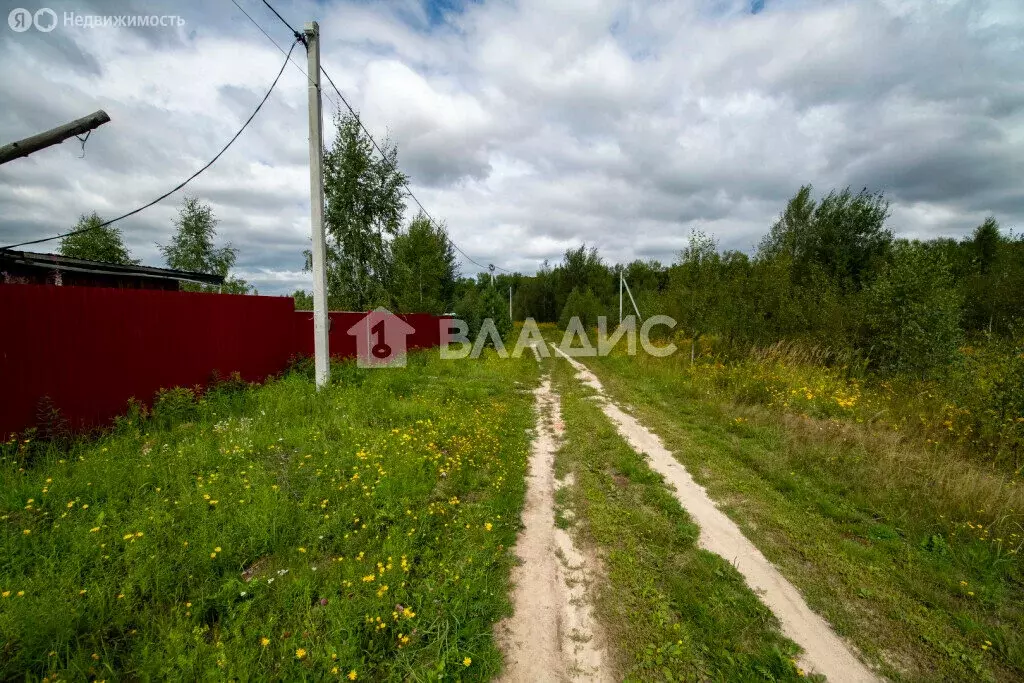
x=321, y=349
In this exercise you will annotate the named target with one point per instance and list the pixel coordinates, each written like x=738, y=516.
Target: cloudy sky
x=527, y=126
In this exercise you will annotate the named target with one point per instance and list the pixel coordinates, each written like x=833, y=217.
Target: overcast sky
x=530, y=126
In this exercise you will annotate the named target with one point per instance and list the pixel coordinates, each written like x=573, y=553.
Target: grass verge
x=274, y=532
x=908, y=552
x=672, y=611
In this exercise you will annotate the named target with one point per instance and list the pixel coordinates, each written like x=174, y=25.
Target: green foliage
x=582, y=304
x=364, y=196
x=468, y=309
x=96, y=243
x=192, y=248
x=303, y=300
x=844, y=236
x=424, y=269
x=694, y=285
x=260, y=516
x=494, y=306
x=174, y=405
x=993, y=278
x=477, y=305
x=913, y=312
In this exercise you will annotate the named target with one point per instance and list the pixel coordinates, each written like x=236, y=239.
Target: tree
x=694, y=284
x=365, y=202
x=424, y=269
x=583, y=269
x=913, y=312
x=303, y=300
x=96, y=243
x=192, y=248
x=582, y=304
x=843, y=237
x=494, y=306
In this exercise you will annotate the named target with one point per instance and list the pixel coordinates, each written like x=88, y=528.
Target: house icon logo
x=380, y=339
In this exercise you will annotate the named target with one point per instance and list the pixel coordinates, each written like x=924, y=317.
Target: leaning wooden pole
x=22, y=148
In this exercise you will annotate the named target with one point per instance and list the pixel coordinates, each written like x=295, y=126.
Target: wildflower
x=300, y=653
x=27, y=532
x=352, y=675
x=302, y=550
x=264, y=641
x=217, y=549
x=82, y=592
x=334, y=671
x=467, y=661
x=369, y=577
x=488, y=526
x=6, y=594
x=94, y=530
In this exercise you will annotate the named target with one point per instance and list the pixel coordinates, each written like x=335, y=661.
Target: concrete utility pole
x=510, y=303
x=22, y=148
x=620, y=296
x=321, y=348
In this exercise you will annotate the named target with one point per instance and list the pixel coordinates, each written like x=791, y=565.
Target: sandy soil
x=824, y=651
x=552, y=635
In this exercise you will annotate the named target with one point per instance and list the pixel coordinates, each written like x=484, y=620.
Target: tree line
x=829, y=272
x=192, y=247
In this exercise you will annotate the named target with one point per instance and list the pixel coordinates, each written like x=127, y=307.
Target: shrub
x=174, y=405
x=913, y=313
x=495, y=307
x=584, y=305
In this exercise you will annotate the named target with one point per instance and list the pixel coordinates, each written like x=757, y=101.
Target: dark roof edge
x=101, y=267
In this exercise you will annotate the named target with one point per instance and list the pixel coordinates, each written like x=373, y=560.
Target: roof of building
x=58, y=262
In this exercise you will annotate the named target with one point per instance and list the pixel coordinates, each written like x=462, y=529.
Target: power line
x=298, y=36
x=406, y=182
x=282, y=51
x=381, y=152
x=179, y=186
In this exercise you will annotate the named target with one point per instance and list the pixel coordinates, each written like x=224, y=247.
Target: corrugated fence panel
x=92, y=349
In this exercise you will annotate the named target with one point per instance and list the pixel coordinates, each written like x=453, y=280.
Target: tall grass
x=273, y=531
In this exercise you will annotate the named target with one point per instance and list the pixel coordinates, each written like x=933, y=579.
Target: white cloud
x=531, y=126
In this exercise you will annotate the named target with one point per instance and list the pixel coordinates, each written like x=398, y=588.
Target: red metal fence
x=89, y=350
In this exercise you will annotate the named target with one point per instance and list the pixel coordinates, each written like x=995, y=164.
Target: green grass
x=909, y=552
x=380, y=510
x=671, y=610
